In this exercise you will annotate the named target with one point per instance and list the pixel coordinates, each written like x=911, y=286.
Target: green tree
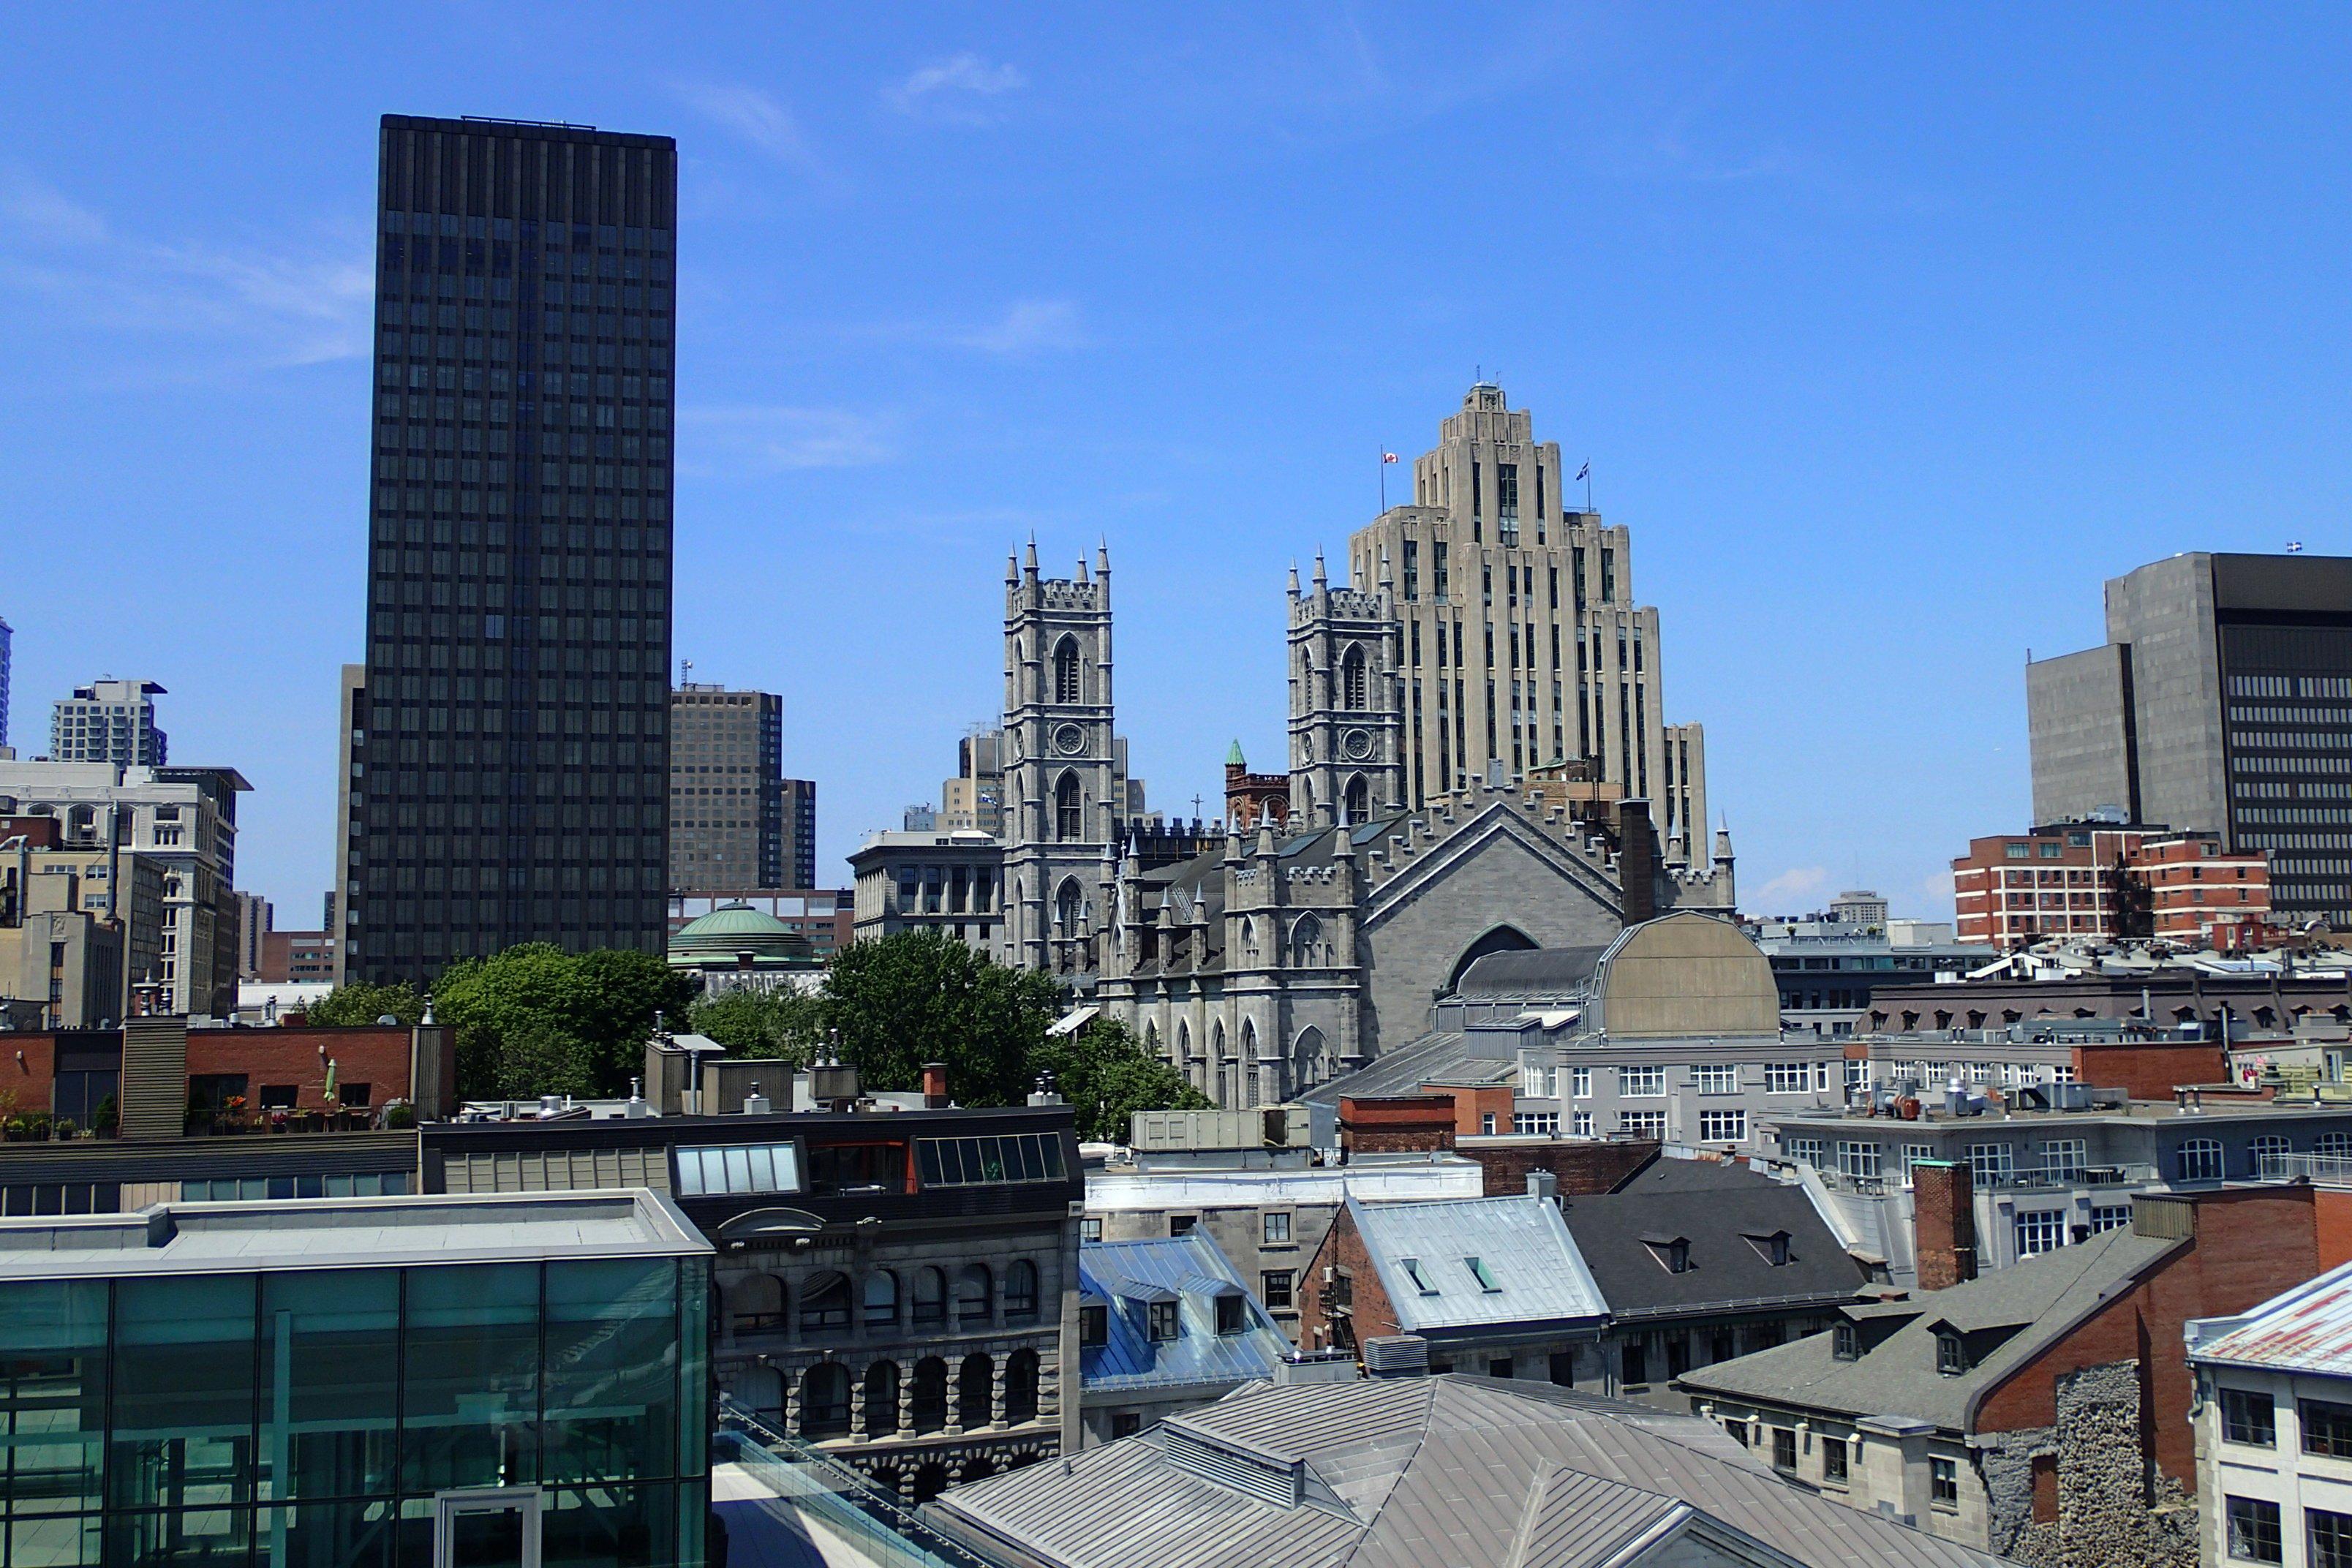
x=780, y=1023
x=599, y=1005
x=918, y=996
x=350, y=1004
x=1107, y=1076
x=542, y=1057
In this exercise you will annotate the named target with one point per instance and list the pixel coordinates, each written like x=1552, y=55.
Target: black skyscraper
x=508, y=743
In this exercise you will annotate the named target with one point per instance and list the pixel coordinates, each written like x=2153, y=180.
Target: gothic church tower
x=1347, y=707
x=1064, y=784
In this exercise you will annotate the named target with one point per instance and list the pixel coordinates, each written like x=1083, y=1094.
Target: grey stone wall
x=2114, y=1506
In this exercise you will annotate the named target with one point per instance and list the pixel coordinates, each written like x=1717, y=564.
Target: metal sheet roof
x=2308, y=1329
x=1535, y=1273
x=1448, y=1472
x=1191, y=1270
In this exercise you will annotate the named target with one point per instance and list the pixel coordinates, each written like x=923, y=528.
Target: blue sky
x=1890, y=334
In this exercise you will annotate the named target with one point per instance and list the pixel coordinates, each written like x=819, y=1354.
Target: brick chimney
x=1637, y=862
x=1944, y=1222
x=935, y=1086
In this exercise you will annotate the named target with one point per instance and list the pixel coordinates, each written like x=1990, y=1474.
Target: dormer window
x=1094, y=1324
x=1481, y=1273
x=1772, y=1248
x=1160, y=1320
x=1845, y=1342
x=1233, y=1316
x=1672, y=1252
x=1420, y=1281
x=1951, y=1356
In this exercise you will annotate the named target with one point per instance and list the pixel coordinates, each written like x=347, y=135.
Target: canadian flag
x=1388, y=456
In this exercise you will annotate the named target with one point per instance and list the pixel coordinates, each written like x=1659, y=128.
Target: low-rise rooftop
x=345, y=1233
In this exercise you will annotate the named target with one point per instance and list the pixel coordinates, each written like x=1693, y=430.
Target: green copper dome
x=733, y=928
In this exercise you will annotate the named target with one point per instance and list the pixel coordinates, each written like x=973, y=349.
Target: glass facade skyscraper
x=508, y=751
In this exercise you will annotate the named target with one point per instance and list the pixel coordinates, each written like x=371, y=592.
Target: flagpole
x=1380, y=461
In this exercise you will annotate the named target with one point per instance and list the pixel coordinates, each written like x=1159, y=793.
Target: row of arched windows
x=927, y=1297
x=832, y=1398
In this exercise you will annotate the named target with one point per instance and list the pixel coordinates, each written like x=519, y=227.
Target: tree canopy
x=1107, y=1076
x=580, y=1021
x=347, y=1005
x=780, y=1024
x=922, y=997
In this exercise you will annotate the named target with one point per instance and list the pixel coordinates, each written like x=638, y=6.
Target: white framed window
x=1536, y=1123
x=1641, y=1123
x=2199, y=1160
x=1820, y=1074
x=1787, y=1077
x=1642, y=1083
x=2267, y=1145
x=1723, y=1126
x=1716, y=1078
x=1858, y=1158
x=1580, y=1082
x=1804, y=1151
x=2109, y=1216
x=1583, y=1125
x=1534, y=1081
x=1991, y=1164
x=2063, y=1159
x=1915, y=1153
x=1857, y=1074
x=2040, y=1230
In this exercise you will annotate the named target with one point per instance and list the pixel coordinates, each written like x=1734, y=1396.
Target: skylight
x=1479, y=1271
x=1420, y=1281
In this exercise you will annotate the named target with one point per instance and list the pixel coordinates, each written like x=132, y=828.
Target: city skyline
x=1813, y=437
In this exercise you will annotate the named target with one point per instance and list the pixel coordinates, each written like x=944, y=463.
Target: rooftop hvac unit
x=1396, y=1355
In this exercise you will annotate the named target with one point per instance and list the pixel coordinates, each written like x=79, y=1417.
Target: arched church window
x=1307, y=940
x=1069, y=810
x=1068, y=907
x=1351, y=678
x=1065, y=671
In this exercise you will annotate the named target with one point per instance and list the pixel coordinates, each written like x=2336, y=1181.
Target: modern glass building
x=366, y=1382
x=507, y=742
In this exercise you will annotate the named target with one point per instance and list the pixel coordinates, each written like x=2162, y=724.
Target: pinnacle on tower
x=1102, y=557
x=1294, y=579
x=1387, y=581
x=1233, y=758
x=1029, y=558
x=1082, y=569
x=1322, y=579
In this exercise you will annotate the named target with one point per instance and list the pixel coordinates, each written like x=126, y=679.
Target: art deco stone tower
x=1347, y=709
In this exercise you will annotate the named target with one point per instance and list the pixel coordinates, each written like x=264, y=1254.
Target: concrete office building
x=1521, y=641
x=726, y=781
x=2221, y=703
x=798, y=802
x=180, y=823
x=254, y=921
x=509, y=746
x=973, y=801
x=948, y=882
x=109, y=721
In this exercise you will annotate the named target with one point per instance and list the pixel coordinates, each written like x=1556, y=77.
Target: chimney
x=1944, y=1222
x=935, y=1086
x=1637, y=862
x=1543, y=1184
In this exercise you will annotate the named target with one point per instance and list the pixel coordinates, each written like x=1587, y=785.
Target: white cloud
x=754, y=118
x=1791, y=887
x=767, y=440
x=301, y=306
x=1027, y=327
x=36, y=211
x=957, y=89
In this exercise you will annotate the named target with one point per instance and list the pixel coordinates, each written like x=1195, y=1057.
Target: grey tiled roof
x=2044, y=1297
x=1718, y=1208
x=1447, y=1472
x=1544, y=973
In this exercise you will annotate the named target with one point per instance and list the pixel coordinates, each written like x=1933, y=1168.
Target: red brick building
x=2011, y=889
x=2004, y=1411
x=81, y=1076
x=1252, y=798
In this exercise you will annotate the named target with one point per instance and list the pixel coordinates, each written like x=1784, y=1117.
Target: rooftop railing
x=866, y=1518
